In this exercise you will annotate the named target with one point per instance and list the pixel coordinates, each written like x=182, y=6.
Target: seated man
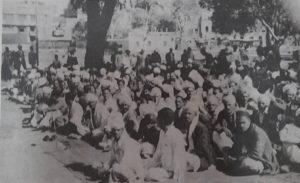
x=74, y=126
x=252, y=151
x=125, y=164
x=168, y=158
x=200, y=153
x=225, y=126
x=148, y=135
x=290, y=137
x=56, y=114
x=93, y=119
x=127, y=108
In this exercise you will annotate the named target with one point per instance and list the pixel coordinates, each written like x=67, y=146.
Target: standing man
x=32, y=57
x=21, y=58
x=170, y=59
x=6, y=64
x=72, y=59
x=140, y=62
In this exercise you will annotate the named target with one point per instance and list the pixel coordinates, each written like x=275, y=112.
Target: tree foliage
x=241, y=15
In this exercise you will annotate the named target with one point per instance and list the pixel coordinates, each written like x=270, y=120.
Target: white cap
x=182, y=94
x=117, y=122
x=90, y=97
x=155, y=92
x=76, y=79
x=117, y=75
x=85, y=75
x=156, y=70
x=47, y=90
x=103, y=71
x=196, y=77
x=42, y=81
x=292, y=88
x=125, y=99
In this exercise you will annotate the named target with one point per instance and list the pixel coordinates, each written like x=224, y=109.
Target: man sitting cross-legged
x=252, y=152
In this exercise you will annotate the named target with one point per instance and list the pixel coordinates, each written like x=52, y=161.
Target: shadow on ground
x=89, y=172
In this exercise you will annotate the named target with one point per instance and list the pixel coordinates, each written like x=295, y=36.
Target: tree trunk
x=97, y=27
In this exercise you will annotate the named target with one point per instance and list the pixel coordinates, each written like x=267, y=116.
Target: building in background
x=22, y=19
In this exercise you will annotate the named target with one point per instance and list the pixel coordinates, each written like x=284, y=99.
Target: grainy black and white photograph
x=144, y=91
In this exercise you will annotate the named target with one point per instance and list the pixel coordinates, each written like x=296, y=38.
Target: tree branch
x=269, y=29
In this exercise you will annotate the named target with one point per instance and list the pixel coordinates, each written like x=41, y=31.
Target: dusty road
x=26, y=158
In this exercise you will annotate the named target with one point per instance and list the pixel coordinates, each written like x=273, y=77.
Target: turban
x=42, y=81
x=264, y=99
x=229, y=99
x=117, y=75
x=156, y=92
x=103, y=71
x=196, y=77
x=181, y=94
x=191, y=107
x=145, y=109
x=76, y=79
x=168, y=89
x=292, y=88
x=125, y=99
x=47, y=90
x=116, y=122
x=163, y=67
x=236, y=78
x=188, y=85
x=156, y=70
x=85, y=75
x=90, y=97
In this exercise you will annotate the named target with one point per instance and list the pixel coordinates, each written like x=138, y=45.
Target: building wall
x=22, y=16
x=162, y=41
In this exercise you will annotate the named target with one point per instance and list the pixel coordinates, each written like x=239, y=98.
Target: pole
x=37, y=33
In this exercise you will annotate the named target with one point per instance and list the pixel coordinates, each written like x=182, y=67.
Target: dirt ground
x=26, y=158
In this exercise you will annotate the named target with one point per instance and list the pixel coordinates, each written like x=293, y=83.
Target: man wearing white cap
x=56, y=114
x=125, y=163
x=127, y=108
x=200, y=154
x=169, y=156
x=158, y=100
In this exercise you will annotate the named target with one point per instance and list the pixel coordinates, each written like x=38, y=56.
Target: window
x=206, y=29
x=32, y=28
x=21, y=29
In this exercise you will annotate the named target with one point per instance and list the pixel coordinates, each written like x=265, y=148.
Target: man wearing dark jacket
x=170, y=59
x=252, y=151
x=72, y=59
x=199, y=146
